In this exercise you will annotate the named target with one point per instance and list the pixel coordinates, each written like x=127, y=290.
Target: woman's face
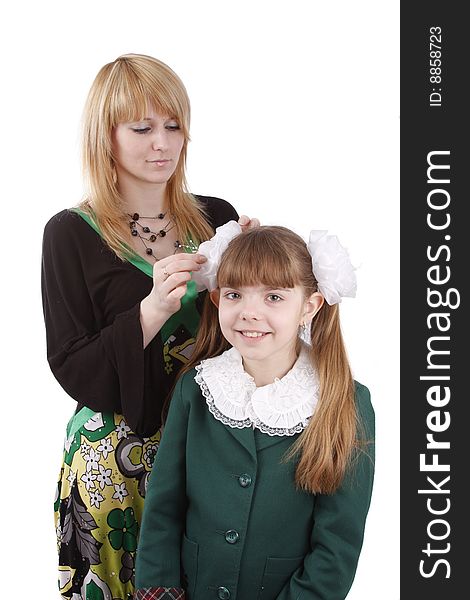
x=147, y=151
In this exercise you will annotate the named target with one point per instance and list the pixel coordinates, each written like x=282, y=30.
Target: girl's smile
x=254, y=334
x=262, y=323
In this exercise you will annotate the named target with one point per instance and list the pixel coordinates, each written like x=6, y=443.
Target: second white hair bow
x=331, y=266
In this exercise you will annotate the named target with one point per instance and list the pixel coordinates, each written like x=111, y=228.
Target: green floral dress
x=91, y=305
x=99, y=504
x=103, y=480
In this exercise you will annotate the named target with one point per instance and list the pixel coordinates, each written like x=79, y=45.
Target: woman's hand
x=247, y=223
x=170, y=278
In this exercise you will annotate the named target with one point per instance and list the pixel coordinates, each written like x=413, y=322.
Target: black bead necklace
x=137, y=229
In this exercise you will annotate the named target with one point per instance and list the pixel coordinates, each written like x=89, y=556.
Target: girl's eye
x=172, y=127
x=232, y=296
x=141, y=129
x=274, y=298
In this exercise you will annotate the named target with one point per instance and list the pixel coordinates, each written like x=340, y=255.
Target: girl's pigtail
x=325, y=446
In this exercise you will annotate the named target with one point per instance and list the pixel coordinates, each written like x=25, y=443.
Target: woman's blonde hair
x=123, y=91
x=277, y=257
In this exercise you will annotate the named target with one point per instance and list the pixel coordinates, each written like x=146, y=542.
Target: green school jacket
x=224, y=520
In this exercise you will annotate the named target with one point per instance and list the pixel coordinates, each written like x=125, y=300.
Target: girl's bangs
x=257, y=260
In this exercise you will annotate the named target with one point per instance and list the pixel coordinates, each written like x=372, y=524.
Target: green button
x=244, y=480
x=231, y=536
x=223, y=593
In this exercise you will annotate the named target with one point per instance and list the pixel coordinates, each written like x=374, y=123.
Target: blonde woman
x=267, y=457
x=121, y=312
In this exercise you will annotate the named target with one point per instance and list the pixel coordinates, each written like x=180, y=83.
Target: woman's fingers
x=176, y=264
x=174, y=280
x=179, y=267
x=176, y=294
x=246, y=223
x=184, y=256
x=170, y=278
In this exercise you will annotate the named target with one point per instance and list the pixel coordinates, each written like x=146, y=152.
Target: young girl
x=263, y=479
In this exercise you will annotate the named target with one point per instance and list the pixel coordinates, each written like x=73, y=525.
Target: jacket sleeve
x=163, y=522
x=101, y=367
x=339, y=521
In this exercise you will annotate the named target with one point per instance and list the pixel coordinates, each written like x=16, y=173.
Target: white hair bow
x=332, y=267
x=206, y=277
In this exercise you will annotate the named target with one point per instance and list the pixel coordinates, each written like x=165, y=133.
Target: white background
x=295, y=121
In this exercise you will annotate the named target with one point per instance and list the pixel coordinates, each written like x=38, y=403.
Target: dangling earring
x=305, y=334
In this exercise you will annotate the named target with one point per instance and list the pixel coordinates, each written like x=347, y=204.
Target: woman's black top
x=91, y=302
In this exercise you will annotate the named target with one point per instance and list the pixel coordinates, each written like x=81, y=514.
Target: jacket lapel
x=245, y=437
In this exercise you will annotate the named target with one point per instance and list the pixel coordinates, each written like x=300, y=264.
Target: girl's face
x=262, y=323
x=147, y=151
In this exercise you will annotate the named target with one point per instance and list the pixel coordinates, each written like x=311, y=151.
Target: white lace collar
x=283, y=407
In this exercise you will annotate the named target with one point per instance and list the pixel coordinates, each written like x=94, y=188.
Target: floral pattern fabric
x=98, y=508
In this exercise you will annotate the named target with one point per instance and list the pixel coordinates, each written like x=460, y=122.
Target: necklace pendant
x=162, y=233
x=135, y=217
x=191, y=246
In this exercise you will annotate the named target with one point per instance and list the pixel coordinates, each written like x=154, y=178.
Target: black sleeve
x=218, y=211
x=91, y=360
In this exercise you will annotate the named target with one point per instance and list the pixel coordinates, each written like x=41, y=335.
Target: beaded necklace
x=137, y=229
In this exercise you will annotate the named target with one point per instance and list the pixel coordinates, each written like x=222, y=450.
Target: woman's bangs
x=135, y=97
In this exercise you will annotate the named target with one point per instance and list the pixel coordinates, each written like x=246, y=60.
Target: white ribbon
x=332, y=267
x=206, y=277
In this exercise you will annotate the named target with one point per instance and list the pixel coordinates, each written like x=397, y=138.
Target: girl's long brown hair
x=123, y=91
x=277, y=257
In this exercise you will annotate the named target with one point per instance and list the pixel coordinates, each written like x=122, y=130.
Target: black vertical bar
x=435, y=341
